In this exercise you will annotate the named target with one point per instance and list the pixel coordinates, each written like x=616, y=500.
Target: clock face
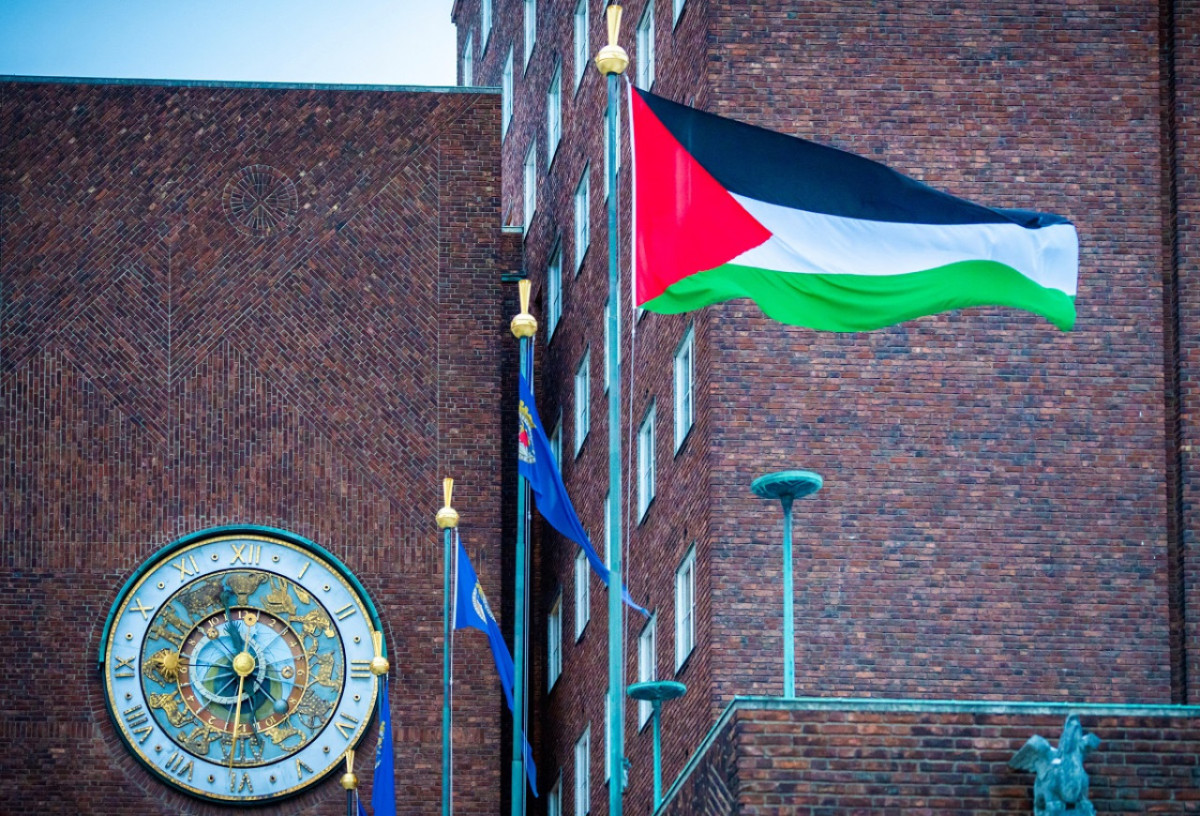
x=237, y=666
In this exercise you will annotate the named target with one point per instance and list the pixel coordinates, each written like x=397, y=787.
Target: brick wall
x=167, y=364
x=847, y=757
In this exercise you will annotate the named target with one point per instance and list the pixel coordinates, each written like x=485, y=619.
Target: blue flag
x=535, y=461
x=383, y=788
x=471, y=610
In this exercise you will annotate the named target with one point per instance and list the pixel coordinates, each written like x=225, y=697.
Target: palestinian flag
x=822, y=238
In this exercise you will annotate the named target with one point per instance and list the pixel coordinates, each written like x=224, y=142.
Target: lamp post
x=655, y=692
x=787, y=486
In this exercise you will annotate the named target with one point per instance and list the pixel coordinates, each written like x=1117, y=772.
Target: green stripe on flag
x=850, y=303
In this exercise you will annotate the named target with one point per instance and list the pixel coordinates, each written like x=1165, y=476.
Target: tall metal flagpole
x=524, y=327
x=447, y=520
x=612, y=62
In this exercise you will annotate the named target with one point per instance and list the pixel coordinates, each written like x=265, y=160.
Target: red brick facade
x=1006, y=512
x=169, y=362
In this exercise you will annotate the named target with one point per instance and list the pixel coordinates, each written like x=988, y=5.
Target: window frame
x=647, y=665
x=530, y=29
x=583, y=399
x=644, y=39
x=529, y=178
x=646, y=464
x=685, y=624
x=582, y=33
x=677, y=10
x=583, y=216
x=506, y=94
x=485, y=24
x=685, y=414
x=554, y=797
x=554, y=114
x=583, y=772
x=583, y=593
x=556, y=442
x=554, y=643
x=554, y=291
x=468, y=61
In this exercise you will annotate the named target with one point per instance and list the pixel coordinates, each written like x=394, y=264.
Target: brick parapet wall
x=163, y=371
x=829, y=756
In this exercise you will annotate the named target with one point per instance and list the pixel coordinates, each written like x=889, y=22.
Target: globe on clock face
x=237, y=664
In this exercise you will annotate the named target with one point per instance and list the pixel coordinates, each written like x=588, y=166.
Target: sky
x=377, y=42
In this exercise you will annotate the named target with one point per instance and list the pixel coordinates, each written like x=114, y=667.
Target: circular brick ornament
x=259, y=200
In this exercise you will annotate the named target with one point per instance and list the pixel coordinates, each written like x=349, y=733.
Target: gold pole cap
x=612, y=58
x=524, y=324
x=379, y=663
x=349, y=780
x=447, y=516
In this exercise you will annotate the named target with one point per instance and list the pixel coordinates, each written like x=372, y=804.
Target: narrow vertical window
x=647, y=665
x=506, y=94
x=645, y=49
x=583, y=225
x=583, y=397
x=485, y=24
x=554, y=798
x=468, y=62
x=685, y=608
x=530, y=184
x=556, y=442
x=583, y=593
x=581, y=41
x=583, y=771
x=553, y=114
x=645, y=463
x=684, y=393
x=676, y=10
x=554, y=291
x=554, y=643
x=530, y=28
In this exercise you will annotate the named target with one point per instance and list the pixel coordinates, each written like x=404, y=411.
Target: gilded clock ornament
x=240, y=664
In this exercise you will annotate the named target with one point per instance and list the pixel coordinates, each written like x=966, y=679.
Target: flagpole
x=447, y=520
x=350, y=783
x=612, y=62
x=524, y=327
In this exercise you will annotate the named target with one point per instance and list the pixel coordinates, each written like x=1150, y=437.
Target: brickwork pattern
x=848, y=761
x=163, y=371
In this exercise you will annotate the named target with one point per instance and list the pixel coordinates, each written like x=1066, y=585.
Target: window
x=553, y=114
x=583, y=593
x=530, y=184
x=506, y=94
x=607, y=312
x=554, y=291
x=554, y=643
x=685, y=608
x=645, y=49
x=684, y=412
x=581, y=41
x=583, y=770
x=554, y=798
x=645, y=463
x=676, y=10
x=468, y=63
x=582, y=217
x=485, y=24
x=556, y=442
x=530, y=29
x=583, y=396
x=647, y=665
x=606, y=142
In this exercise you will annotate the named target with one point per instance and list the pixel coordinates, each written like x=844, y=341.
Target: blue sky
x=401, y=42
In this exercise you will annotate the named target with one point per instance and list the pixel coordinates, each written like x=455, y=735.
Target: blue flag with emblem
x=471, y=610
x=383, y=788
x=535, y=461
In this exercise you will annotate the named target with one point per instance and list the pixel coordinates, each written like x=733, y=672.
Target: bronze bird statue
x=1060, y=779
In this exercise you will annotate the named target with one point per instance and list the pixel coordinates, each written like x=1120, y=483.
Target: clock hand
x=227, y=599
x=243, y=664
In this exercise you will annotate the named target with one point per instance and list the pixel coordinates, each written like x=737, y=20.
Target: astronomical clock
x=237, y=664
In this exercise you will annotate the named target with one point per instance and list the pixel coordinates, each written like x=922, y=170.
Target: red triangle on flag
x=687, y=222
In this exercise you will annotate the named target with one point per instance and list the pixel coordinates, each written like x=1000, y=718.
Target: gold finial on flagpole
x=447, y=516
x=524, y=324
x=349, y=780
x=379, y=663
x=612, y=58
